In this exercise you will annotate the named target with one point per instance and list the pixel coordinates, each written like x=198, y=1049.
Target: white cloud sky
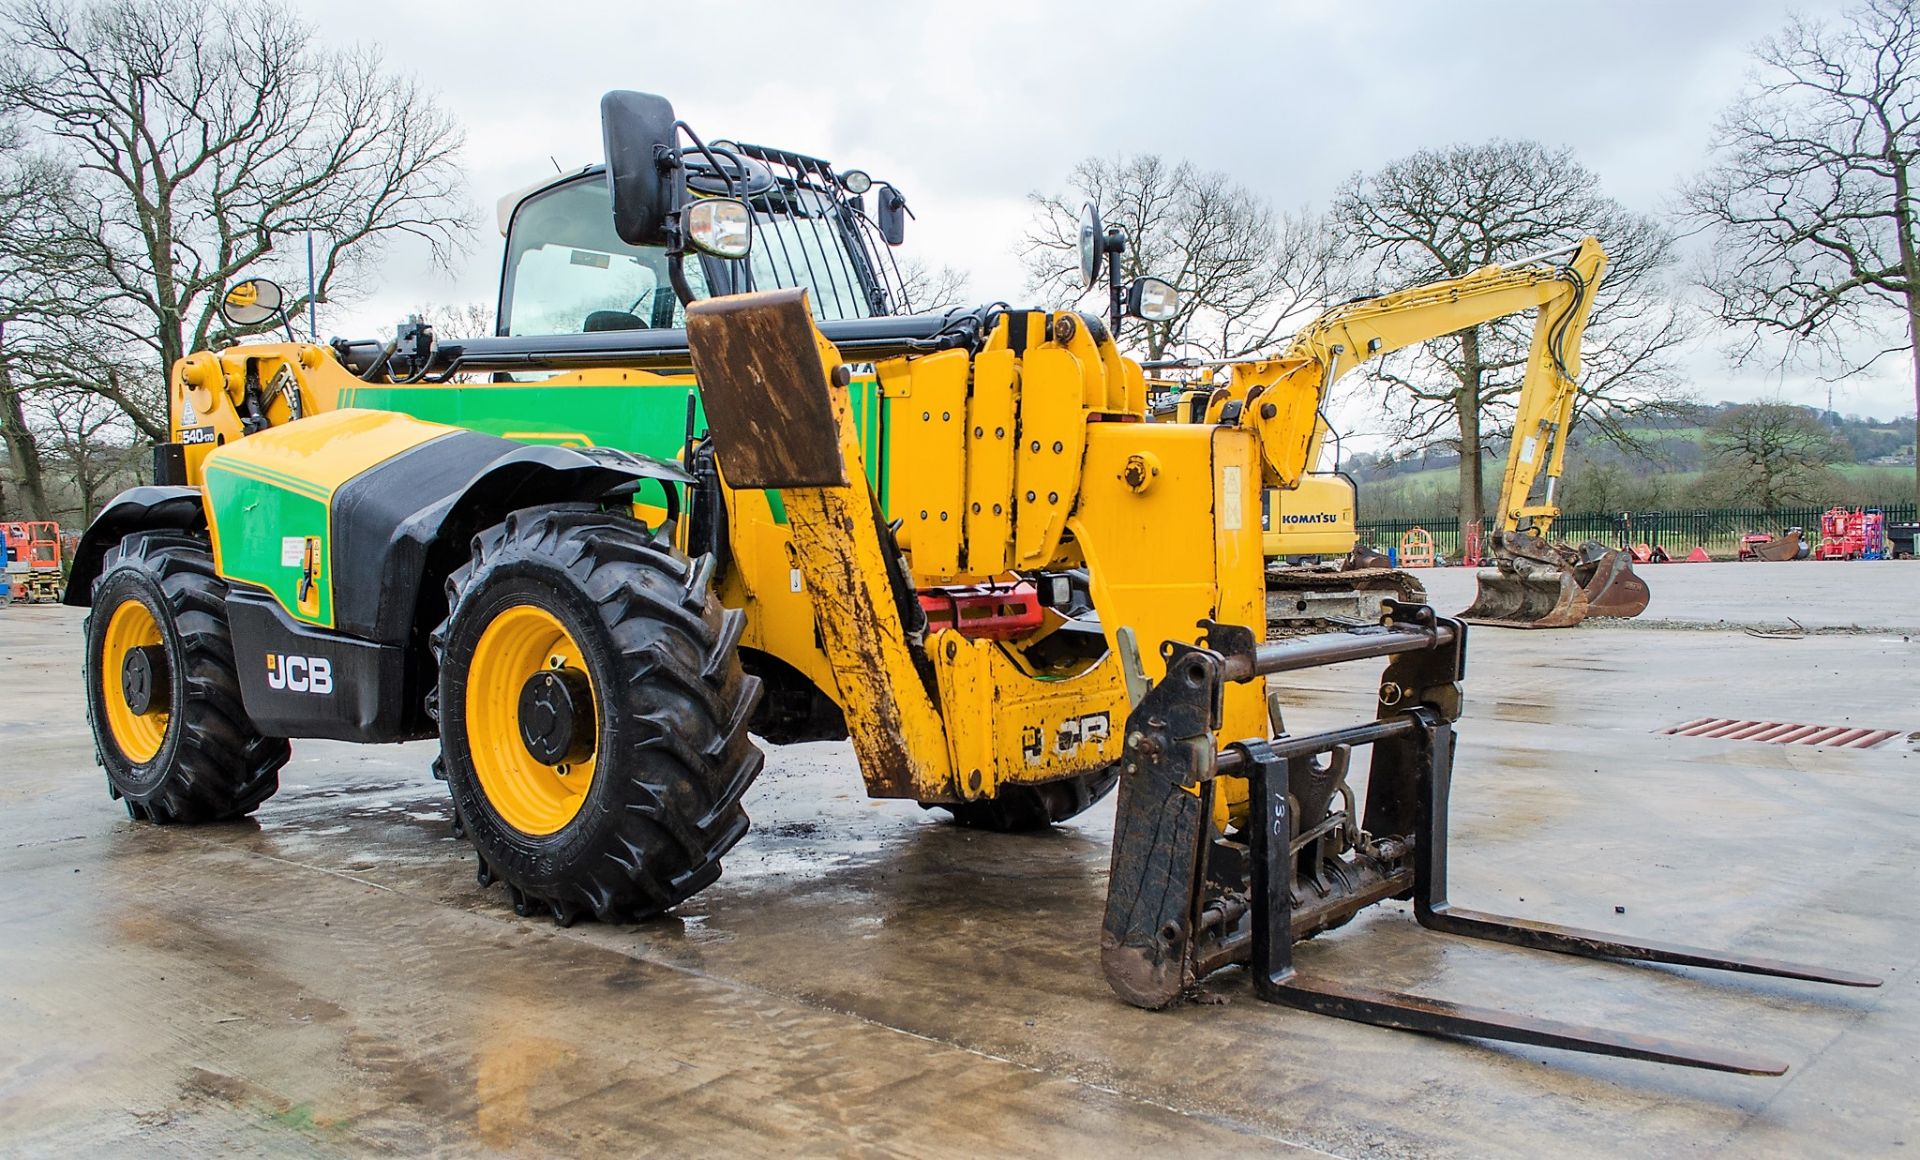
x=970, y=107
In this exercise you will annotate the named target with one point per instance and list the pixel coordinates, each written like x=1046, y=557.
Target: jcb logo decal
x=297, y=674
x=1068, y=736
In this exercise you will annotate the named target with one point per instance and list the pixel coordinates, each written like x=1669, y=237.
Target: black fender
x=137, y=509
x=401, y=527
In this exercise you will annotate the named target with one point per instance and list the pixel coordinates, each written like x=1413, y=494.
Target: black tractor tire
x=1019, y=809
x=669, y=710
x=211, y=764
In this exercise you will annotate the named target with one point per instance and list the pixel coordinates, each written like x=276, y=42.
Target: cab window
x=567, y=272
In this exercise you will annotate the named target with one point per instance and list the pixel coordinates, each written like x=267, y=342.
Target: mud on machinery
x=750, y=494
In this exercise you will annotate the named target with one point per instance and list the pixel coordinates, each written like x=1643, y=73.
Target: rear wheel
x=593, y=715
x=163, y=694
x=1023, y=808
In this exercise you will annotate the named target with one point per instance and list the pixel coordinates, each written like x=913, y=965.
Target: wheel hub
x=556, y=716
x=143, y=679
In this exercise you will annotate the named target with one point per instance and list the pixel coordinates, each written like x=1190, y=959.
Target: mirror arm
x=669, y=163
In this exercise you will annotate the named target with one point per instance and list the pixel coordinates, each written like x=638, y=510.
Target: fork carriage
x=1187, y=897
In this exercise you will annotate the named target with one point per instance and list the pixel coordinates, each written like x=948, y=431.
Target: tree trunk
x=1910, y=266
x=1913, y=352
x=1467, y=409
x=22, y=447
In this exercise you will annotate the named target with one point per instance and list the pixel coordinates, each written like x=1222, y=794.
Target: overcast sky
x=970, y=107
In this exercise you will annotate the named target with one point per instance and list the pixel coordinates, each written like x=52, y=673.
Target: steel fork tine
x=1570, y=940
x=1437, y=1017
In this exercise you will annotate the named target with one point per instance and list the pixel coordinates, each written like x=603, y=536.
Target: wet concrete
x=1818, y=595
x=865, y=979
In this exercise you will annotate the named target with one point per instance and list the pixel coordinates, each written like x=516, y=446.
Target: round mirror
x=252, y=302
x=1091, y=237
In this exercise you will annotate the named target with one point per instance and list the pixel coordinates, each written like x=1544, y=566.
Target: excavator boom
x=1532, y=583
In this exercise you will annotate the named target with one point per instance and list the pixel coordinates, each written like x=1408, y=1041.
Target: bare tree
x=1443, y=213
x=458, y=319
x=930, y=288
x=1769, y=455
x=207, y=138
x=90, y=443
x=1813, y=195
x=1243, y=269
x=46, y=293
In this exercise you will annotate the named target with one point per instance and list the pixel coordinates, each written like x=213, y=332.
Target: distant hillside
x=1658, y=469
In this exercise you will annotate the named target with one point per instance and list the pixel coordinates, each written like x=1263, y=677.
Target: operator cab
x=567, y=270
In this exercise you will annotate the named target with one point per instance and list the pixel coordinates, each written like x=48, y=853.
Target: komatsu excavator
x=1533, y=583
x=708, y=483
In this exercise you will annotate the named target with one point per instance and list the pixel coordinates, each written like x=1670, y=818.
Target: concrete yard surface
x=866, y=979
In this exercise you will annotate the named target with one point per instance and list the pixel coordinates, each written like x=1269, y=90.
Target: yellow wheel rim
x=529, y=795
x=138, y=735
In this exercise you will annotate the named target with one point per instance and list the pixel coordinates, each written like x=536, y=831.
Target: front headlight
x=721, y=226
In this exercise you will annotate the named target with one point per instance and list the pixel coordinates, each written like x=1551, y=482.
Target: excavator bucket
x=1780, y=548
x=1530, y=594
x=1534, y=584
x=1611, y=586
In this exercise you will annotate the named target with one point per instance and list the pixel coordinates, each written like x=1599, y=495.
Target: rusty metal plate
x=765, y=392
x=1784, y=733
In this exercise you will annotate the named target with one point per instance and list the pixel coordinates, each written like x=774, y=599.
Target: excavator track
x=1305, y=599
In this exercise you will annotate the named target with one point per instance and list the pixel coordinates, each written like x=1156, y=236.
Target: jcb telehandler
x=945, y=535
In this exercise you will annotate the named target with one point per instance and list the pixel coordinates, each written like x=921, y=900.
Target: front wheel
x=163, y=694
x=593, y=715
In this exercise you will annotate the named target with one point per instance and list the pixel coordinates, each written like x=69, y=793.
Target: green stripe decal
x=650, y=419
x=248, y=469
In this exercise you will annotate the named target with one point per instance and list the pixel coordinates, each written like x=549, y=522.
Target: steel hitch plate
x=1185, y=900
x=759, y=367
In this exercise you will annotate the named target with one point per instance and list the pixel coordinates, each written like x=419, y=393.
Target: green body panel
x=646, y=419
x=254, y=510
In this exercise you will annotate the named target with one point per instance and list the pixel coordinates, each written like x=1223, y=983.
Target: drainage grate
x=1784, y=733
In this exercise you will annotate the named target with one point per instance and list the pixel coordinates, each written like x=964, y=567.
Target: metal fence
x=1718, y=530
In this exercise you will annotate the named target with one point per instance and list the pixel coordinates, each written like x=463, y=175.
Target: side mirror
x=1092, y=244
x=721, y=226
x=893, y=215
x=1152, y=300
x=638, y=131
x=252, y=302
